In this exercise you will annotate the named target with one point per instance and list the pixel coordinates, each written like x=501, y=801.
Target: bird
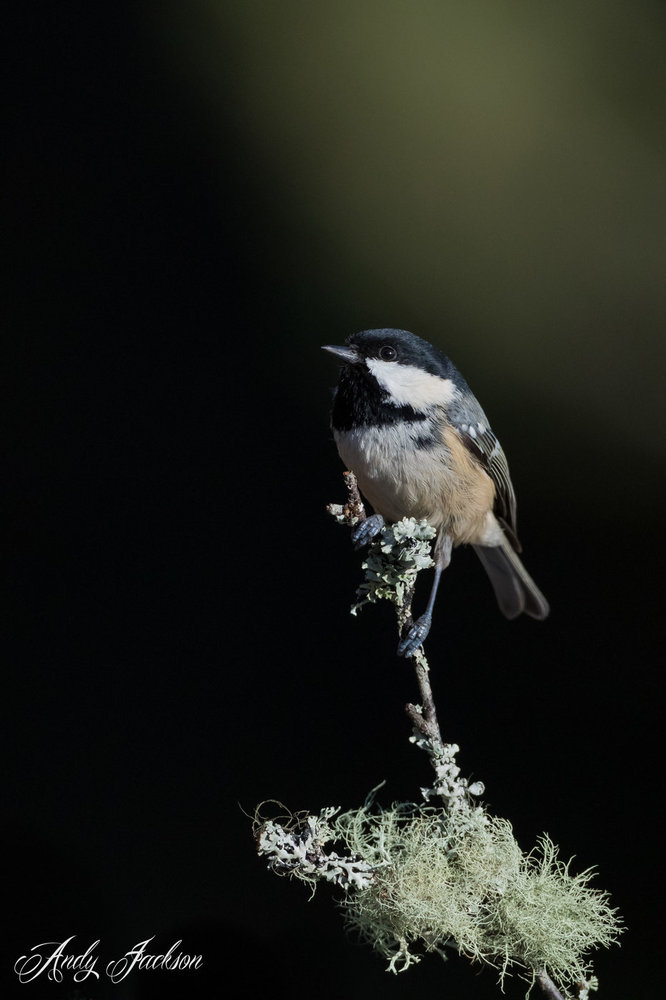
x=408, y=426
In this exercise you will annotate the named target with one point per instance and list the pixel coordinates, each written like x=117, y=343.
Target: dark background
x=198, y=196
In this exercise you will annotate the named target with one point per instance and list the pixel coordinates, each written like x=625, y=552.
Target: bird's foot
x=363, y=533
x=416, y=636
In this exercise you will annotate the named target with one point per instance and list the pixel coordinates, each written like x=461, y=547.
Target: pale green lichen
x=394, y=559
x=442, y=882
x=293, y=845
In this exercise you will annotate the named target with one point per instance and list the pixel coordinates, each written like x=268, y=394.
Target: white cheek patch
x=409, y=386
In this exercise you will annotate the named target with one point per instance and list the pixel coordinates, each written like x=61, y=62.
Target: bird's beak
x=349, y=355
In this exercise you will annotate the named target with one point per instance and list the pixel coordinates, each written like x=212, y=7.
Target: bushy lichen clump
x=440, y=883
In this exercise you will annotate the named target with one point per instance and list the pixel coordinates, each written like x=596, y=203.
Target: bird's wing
x=480, y=441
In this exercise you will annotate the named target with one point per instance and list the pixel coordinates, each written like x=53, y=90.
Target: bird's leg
x=419, y=630
x=363, y=533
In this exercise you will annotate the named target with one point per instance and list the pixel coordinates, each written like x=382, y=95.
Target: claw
x=416, y=636
x=368, y=529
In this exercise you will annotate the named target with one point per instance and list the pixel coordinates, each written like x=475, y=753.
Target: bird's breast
x=413, y=470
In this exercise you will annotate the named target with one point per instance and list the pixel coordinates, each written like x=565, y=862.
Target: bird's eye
x=388, y=353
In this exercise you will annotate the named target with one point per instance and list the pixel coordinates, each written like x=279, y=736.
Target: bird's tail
x=515, y=590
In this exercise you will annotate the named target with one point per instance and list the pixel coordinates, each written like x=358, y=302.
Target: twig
x=548, y=987
x=353, y=512
x=424, y=716
x=454, y=790
x=432, y=876
x=449, y=786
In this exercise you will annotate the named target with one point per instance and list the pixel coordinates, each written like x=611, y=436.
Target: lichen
x=293, y=845
x=447, y=880
x=393, y=562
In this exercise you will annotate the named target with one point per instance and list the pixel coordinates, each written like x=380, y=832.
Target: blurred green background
x=489, y=174
x=198, y=196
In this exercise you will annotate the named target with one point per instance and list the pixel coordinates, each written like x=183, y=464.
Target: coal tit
x=407, y=425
